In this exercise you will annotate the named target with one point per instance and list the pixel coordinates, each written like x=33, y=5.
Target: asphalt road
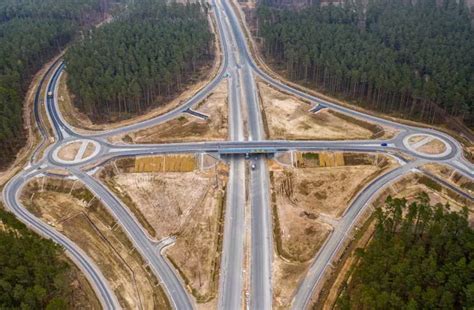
x=11, y=194
x=231, y=271
x=141, y=241
x=240, y=69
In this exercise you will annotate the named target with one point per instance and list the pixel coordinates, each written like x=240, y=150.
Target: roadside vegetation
x=310, y=192
x=139, y=60
x=73, y=210
x=420, y=256
x=172, y=196
x=31, y=33
x=34, y=273
x=391, y=56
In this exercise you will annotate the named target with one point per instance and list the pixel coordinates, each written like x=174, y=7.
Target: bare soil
x=287, y=117
x=309, y=193
x=69, y=151
x=73, y=211
x=433, y=147
x=410, y=186
x=187, y=127
x=89, y=150
x=188, y=205
x=448, y=174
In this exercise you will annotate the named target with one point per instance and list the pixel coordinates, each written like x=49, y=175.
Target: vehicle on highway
x=50, y=94
x=384, y=144
x=253, y=166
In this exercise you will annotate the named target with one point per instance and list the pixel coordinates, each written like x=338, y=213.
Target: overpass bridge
x=247, y=151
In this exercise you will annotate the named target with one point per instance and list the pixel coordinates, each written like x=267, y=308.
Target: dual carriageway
x=240, y=69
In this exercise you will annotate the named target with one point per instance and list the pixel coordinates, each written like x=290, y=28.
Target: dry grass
x=89, y=150
x=433, y=147
x=287, y=117
x=307, y=201
x=188, y=205
x=451, y=176
x=168, y=163
x=69, y=151
x=82, y=294
x=322, y=190
x=413, y=184
x=73, y=211
x=285, y=278
x=187, y=127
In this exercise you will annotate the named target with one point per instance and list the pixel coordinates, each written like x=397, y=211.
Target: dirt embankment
x=188, y=127
x=288, y=117
x=451, y=176
x=73, y=210
x=174, y=196
x=309, y=194
x=408, y=187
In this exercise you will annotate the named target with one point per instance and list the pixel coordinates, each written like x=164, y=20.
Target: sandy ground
x=187, y=127
x=451, y=176
x=189, y=206
x=321, y=190
x=287, y=117
x=307, y=201
x=433, y=147
x=86, y=222
x=69, y=151
x=415, y=139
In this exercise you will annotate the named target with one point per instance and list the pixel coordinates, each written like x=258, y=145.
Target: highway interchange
x=240, y=69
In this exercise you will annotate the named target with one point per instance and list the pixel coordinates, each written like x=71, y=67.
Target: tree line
x=32, y=274
x=31, y=33
x=145, y=55
x=391, y=56
x=421, y=257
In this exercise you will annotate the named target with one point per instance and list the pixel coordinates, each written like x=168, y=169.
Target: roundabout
x=76, y=151
x=427, y=145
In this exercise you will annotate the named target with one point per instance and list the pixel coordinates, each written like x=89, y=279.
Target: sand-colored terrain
x=188, y=127
x=287, y=117
x=434, y=147
x=451, y=176
x=410, y=186
x=174, y=200
x=309, y=193
x=69, y=151
x=73, y=211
